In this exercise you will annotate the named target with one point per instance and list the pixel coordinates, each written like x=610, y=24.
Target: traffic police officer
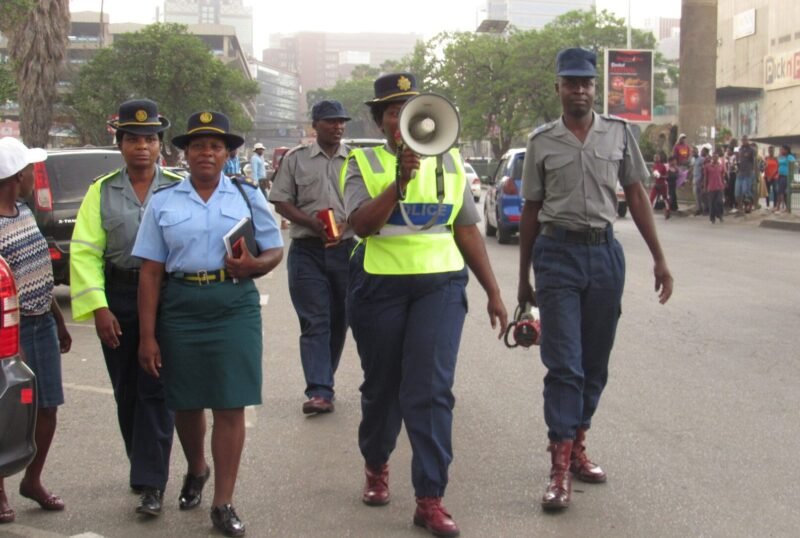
x=307, y=183
x=571, y=170
x=103, y=281
x=407, y=302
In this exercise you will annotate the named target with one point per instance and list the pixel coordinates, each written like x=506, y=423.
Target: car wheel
x=488, y=228
x=622, y=210
x=503, y=235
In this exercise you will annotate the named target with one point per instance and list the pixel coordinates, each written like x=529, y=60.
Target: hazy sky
x=427, y=17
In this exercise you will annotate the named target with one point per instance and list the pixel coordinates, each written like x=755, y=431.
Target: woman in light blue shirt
x=206, y=338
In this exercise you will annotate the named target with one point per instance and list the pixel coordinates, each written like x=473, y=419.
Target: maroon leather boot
x=580, y=465
x=432, y=515
x=558, y=492
x=376, y=489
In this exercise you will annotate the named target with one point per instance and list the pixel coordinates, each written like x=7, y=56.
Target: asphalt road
x=697, y=428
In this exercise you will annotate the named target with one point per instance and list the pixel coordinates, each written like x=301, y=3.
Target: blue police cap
x=328, y=109
x=576, y=62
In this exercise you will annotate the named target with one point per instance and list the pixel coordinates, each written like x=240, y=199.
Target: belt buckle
x=595, y=235
x=202, y=277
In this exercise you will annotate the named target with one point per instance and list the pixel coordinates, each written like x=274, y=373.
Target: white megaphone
x=429, y=124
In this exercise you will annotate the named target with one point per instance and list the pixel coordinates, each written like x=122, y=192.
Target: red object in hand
x=328, y=219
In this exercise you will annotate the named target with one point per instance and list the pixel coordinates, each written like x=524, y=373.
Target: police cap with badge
x=208, y=123
x=139, y=117
x=394, y=87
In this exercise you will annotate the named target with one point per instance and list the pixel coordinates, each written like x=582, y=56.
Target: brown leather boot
x=432, y=515
x=376, y=489
x=580, y=465
x=558, y=492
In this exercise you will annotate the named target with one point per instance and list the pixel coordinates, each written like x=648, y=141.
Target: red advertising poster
x=629, y=84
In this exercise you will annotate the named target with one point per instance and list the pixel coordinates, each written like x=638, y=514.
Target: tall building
x=530, y=14
x=662, y=27
x=277, y=120
x=225, y=12
x=757, y=75
x=321, y=59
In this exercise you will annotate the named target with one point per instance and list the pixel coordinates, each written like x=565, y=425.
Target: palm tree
x=37, y=43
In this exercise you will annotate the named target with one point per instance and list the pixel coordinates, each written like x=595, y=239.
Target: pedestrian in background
x=714, y=186
x=306, y=184
x=258, y=167
x=786, y=166
x=571, y=168
x=771, y=176
x=697, y=181
x=42, y=333
x=407, y=301
x=746, y=169
x=207, y=336
x=104, y=278
x=232, y=165
x=673, y=173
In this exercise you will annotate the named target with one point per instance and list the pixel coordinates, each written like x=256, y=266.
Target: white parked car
x=474, y=181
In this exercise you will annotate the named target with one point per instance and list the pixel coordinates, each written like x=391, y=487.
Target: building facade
x=214, y=12
x=277, y=122
x=758, y=69
x=532, y=14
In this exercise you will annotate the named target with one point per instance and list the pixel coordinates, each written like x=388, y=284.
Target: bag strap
x=247, y=201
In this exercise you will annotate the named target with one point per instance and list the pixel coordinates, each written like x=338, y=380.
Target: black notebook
x=241, y=235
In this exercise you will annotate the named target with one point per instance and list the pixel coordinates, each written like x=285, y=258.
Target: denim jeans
x=318, y=288
x=579, y=291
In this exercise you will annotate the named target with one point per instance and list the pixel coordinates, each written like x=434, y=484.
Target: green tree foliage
x=165, y=63
x=8, y=88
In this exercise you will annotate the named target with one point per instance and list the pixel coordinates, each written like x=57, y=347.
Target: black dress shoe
x=150, y=503
x=192, y=490
x=225, y=519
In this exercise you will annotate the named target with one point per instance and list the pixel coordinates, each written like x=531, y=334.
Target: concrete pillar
x=697, y=84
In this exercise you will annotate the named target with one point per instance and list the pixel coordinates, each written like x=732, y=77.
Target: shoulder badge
x=244, y=180
x=109, y=175
x=167, y=186
x=542, y=129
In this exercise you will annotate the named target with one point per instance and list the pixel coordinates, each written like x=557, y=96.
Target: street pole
x=629, y=26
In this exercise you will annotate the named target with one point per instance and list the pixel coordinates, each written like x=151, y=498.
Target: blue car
x=17, y=385
x=503, y=204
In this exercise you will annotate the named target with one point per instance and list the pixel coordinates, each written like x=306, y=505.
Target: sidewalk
x=764, y=218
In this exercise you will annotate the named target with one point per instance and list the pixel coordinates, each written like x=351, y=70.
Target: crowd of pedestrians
x=729, y=179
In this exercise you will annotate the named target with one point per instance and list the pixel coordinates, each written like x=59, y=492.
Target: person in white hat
x=43, y=334
x=257, y=165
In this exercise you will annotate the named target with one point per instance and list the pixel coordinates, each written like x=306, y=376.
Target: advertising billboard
x=628, y=91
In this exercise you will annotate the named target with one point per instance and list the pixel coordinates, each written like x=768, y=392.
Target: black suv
x=61, y=183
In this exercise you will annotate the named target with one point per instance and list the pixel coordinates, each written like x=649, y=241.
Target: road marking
x=87, y=535
x=264, y=299
x=87, y=388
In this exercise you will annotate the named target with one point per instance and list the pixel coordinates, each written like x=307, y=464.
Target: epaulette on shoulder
x=244, y=180
x=612, y=117
x=172, y=175
x=542, y=129
x=109, y=175
x=167, y=186
x=296, y=149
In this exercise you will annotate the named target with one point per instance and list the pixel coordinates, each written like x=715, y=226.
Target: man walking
x=746, y=166
x=258, y=167
x=571, y=169
x=306, y=188
x=697, y=178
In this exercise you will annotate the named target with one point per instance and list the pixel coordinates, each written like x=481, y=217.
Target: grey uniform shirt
x=576, y=182
x=121, y=213
x=309, y=179
x=356, y=194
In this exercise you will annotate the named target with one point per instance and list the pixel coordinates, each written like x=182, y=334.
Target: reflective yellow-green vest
x=398, y=249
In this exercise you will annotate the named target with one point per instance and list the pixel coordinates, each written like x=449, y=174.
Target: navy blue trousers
x=579, y=291
x=144, y=420
x=408, y=330
x=318, y=288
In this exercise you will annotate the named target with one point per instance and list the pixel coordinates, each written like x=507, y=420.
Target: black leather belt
x=117, y=274
x=590, y=236
x=201, y=278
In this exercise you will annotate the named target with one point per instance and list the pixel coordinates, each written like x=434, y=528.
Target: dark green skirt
x=210, y=340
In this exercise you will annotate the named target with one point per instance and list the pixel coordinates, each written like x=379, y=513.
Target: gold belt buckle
x=202, y=277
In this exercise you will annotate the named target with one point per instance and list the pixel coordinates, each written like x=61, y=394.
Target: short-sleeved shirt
x=121, y=212
x=746, y=159
x=698, y=164
x=309, y=180
x=714, y=176
x=257, y=167
x=783, y=164
x=232, y=167
x=770, y=168
x=577, y=182
x=683, y=153
x=185, y=233
x=25, y=249
x=356, y=194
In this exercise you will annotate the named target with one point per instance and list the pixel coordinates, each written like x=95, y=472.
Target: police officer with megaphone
x=406, y=295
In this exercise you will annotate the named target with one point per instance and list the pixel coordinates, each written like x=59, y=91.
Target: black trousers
x=673, y=194
x=144, y=420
